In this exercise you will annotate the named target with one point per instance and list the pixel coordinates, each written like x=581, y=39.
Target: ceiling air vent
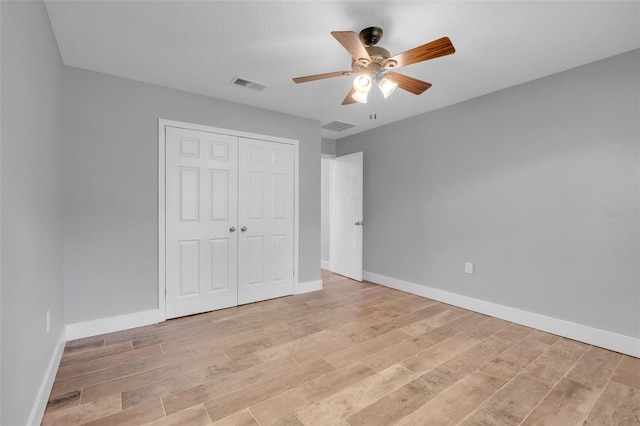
x=338, y=126
x=242, y=82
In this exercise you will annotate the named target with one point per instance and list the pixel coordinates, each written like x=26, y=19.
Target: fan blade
x=351, y=41
x=407, y=83
x=320, y=76
x=349, y=99
x=434, y=49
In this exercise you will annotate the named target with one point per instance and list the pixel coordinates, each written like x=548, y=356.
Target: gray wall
x=519, y=182
x=31, y=204
x=328, y=146
x=110, y=185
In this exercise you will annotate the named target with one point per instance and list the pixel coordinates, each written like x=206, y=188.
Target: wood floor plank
x=354, y=353
x=269, y=341
x=62, y=401
x=258, y=392
x=292, y=346
x=226, y=384
x=618, y=405
x=514, y=332
x=241, y=418
x=150, y=376
x=511, y=404
x=404, y=401
x=290, y=420
x=81, y=414
x=595, y=367
x=117, y=371
x=190, y=379
x=513, y=360
x=568, y=403
x=403, y=350
x=543, y=337
x=200, y=344
x=102, y=363
x=476, y=356
x=69, y=358
x=454, y=404
x=440, y=353
x=342, y=339
x=360, y=350
x=459, y=325
x=138, y=415
x=194, y=416
x=364, y=321
x=83, y=345
x=169, y=328
x=434, y=321
x=335, y=408
x=554, y=363
x=628, y=372
x=486, y=328
x=280, y=406
x=224, y=328
x=409, y=318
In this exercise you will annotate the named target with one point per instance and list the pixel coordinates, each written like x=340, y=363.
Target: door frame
x=326, y=263
x=162, y=261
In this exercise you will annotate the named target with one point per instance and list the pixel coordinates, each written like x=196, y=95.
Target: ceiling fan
x=373, y=64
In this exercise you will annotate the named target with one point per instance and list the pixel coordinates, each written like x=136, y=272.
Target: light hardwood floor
x=352, y=354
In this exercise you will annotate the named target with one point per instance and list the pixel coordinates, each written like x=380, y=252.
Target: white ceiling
x=199, y=46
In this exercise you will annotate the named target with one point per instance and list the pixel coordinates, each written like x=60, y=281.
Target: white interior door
x=201, y=214
x=266, y=220
x=346, y=216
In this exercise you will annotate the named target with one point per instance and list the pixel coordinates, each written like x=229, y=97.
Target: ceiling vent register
x=248, y=84
x=338, y=126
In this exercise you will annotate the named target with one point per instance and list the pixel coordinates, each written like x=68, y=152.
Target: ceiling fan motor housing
x=379, y=59
x=370, y=36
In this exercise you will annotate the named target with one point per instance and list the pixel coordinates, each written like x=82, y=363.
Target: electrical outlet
x=48, y=321
x=468, y=267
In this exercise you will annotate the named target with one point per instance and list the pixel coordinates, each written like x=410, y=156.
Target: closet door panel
x=266, y=219
x=201, y=211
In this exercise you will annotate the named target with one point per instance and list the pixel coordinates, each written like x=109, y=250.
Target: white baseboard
x=107, y=325
x=324, y=264
x=593, y=336
x=40, y=404
x=307, y=287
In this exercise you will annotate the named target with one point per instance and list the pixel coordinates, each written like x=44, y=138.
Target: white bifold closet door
x=266, y=211
x=229, y=221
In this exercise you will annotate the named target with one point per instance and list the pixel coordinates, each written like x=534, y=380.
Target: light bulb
x=387, y=87
x=362, y=83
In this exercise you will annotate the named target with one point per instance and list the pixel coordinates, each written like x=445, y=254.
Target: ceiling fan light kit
x=362, y=86
x=372, y=64
x=387, y=87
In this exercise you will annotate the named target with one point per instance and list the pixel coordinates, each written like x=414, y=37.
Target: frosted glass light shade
x=362, y=85
x=360, y=97
x=387, y=87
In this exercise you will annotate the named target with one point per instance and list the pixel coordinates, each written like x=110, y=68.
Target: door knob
x=243, y=229
x=232, y=229
x=357, y=223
